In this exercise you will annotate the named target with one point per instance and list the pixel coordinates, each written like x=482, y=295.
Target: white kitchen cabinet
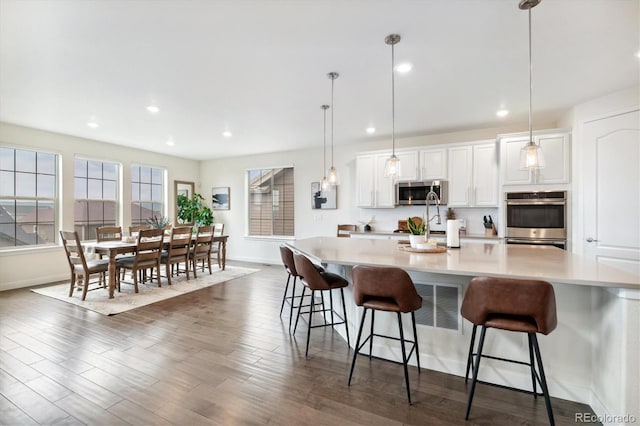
x=408, y=165
x=373, y=189
x=556, y=151
x=473, y=175
x=433, y=164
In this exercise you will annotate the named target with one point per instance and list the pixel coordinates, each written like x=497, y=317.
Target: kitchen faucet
x=432, y=195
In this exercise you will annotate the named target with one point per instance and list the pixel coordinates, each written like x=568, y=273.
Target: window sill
x=29, y=250
x=266, y=238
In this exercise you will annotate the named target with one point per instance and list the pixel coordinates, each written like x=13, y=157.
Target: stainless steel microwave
x=415, y=193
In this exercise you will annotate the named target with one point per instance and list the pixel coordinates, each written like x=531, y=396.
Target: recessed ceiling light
x=502, y=112
x=170, y=142
x=371, y=130
x=404, y=67
x=153, y=109
x=227, y=134
x=93, y=124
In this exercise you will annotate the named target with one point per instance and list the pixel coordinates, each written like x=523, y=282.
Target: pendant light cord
x=393, y=104
x=530, y=84
x=324, y=143
x=332, y=80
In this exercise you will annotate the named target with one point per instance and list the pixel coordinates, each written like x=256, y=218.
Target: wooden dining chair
x=177, y=252
x=218, y=230
x=81, y=268
x=201, y=249
x=148, y=251
x=134, y=229
x=109, y=233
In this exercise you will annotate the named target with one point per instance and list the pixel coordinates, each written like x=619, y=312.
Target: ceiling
x=258, y=68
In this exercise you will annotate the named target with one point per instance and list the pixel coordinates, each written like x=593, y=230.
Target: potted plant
x=158, y=222
x=417, y=230
x=193, y=210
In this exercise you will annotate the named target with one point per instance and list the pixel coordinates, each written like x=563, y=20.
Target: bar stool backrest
x=488, y=298
x=309, y=273
x=287, y=259
x=393, y=284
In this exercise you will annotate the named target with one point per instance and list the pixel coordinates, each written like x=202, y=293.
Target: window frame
x=163, y=191
x=88, y=200
x=55, y=222
x=281, y=199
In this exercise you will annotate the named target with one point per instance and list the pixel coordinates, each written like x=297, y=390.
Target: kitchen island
x=592, y=356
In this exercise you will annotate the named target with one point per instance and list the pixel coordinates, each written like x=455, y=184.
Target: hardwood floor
x=220, y=356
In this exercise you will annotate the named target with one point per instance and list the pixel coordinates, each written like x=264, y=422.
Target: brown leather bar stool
x=524, y=306
x=287, y=260
x=391, y=290
x=319, y=280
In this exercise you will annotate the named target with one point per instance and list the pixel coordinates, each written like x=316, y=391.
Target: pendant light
x=392, y=165
x=325, y=181
x=531, y=157
x=334, y=179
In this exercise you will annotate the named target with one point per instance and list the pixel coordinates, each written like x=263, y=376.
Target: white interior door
x=611, y=178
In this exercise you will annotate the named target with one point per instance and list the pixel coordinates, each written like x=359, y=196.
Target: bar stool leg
x=293, y=299
x=357, y=350
x=306, y=354
x=344, y=315
x=331, y=306
x=543, y=380
x=373, y=317
x=284, y=296
x=415, y=339
x=533, y=368
x=299, y=309
x=475, y=371
x=404, y=357
x=470, y=357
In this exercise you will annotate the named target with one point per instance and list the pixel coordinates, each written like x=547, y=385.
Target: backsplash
x=386, y=220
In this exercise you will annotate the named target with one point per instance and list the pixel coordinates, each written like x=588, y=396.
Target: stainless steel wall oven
x=537, y=217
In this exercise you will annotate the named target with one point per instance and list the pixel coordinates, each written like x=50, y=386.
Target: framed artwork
x=220, y=198
x=324, y=200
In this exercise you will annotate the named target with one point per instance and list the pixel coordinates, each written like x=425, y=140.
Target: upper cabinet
x=556, y=151
x=473, y=175
x=433, y=164
x=408, y=165
x=373, y=189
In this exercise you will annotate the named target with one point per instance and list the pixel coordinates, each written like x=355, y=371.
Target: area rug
x=98, y=300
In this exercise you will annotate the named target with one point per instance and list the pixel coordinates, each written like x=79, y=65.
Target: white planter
x=416, y=239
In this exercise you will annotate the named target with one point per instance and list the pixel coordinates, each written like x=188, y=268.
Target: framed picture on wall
x=220, y=198
x=323, y=199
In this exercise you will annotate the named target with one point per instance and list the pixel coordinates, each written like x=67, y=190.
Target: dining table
x=113, y=248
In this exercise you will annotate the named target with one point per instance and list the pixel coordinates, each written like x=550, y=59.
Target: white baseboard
x=33, y=282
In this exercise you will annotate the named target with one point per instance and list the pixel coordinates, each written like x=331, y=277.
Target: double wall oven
x=538, y=217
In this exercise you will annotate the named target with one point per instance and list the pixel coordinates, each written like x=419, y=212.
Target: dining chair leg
x=73, y=284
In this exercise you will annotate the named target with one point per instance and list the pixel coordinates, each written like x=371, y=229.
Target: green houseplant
x=158, y=222
x=417, y=229
x=193, y=210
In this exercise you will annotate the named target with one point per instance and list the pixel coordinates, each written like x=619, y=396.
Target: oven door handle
x=529, y=241
x=535, y=203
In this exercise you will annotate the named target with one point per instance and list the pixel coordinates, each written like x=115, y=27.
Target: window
x=28, y=197
x=147, y=189
x=96, y=196
x=271, y=202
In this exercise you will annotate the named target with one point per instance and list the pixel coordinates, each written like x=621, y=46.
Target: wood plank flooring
x=218, y=356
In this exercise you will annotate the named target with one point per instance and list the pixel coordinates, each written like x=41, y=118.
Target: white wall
x=31, y=266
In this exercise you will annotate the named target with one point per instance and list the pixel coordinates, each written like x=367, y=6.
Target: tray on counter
x=417, y=250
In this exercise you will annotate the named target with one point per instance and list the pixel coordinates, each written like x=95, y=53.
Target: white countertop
x=433, y=235
x=472, y=259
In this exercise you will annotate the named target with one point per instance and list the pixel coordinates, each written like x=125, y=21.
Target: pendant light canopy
x=325, y=181
x=392, y=165
x=334, y=179
x=531, y=156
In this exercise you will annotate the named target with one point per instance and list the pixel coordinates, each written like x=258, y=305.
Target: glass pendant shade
x=531, y=157
x=392, y=166
x=325, y=183
x=334, y=177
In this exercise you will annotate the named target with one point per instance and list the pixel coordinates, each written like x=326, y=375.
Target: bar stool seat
x=390, y=290
x=316, y=279
x=524, y=306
